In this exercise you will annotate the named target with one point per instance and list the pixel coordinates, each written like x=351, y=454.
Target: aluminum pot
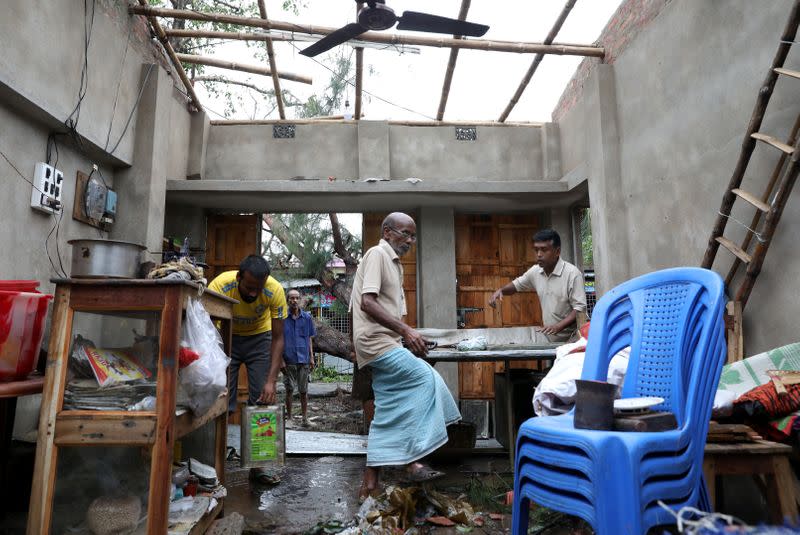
x=105, y=258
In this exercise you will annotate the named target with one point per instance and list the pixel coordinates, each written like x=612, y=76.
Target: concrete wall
x=658, y=134
x=40, y=78
x=377, y=149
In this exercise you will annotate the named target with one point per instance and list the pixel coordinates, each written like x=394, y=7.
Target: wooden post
x=733, y=331
x=195, y=102
x=537, y=60
x=377, y=37
x=44, y=473
x=451, y=64
x=359, y=73
x=272, y=65
x=242, y=67
x=749, y=143
x=166, y=387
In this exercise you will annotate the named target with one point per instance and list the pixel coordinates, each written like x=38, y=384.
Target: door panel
x=491, y=250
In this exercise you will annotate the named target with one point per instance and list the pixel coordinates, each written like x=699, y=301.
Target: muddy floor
x=318, y=494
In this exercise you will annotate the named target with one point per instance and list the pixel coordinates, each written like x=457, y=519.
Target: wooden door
x=229, y=239
x=370, y=236
x=492, y=250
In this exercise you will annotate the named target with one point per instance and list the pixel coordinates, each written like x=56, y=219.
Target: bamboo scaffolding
x=262, y=8
x=359, y=72
x=451, y=64
x=376, y=37
x=243, y=67
x=537, y=60
x=162, y=37
x=260, y=122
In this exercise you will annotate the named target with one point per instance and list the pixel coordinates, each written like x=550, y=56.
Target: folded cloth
x=413, y=408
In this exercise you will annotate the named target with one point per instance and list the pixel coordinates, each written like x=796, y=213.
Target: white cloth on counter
x=555, y=394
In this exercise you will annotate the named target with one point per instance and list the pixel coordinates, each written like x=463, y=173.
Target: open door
x=230, y=238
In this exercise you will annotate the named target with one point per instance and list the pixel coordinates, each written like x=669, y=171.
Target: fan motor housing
x=377, y=17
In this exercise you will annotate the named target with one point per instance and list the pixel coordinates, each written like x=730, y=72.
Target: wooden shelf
x=154, y=430
x=205, y=522
x=125, y=428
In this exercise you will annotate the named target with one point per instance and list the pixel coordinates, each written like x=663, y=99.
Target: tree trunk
x=332, y=341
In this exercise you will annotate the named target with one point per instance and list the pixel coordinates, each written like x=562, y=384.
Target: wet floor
x=312, y=490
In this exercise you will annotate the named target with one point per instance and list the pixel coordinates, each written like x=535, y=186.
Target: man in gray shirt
x=558, y=284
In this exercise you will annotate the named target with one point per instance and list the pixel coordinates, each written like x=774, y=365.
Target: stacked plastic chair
x=673, y=322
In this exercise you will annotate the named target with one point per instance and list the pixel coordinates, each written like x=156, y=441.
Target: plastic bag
x=477, y=343
x=207, y=377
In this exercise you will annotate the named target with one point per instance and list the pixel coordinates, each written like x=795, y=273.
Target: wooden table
x=759, y=458
x=161, y=304
x=543, y=352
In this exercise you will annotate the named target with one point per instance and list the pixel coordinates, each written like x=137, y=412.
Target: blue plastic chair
x=673, y=322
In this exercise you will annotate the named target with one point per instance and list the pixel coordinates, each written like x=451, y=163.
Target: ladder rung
x=787, y=72
x=752, y=199
x=773, y=141
x=735, y=249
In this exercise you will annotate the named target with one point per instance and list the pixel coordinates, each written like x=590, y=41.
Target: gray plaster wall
x=498, y=153
x=377, y=149
x=659, y=132
x=250, y=152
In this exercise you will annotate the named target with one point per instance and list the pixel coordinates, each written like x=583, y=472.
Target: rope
x=758, y=236
x=705, y=521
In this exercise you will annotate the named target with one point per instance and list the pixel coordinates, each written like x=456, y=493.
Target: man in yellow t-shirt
x=257, y=328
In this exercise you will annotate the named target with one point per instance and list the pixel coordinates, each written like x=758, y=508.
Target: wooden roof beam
x=162, y=37
x=378, y=37
x=451, y=64
x=262, y=8
x=537, y=60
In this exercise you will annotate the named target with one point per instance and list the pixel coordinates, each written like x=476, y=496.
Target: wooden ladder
x=776, y=193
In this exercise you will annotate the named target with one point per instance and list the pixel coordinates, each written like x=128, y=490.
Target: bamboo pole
x=260, y=122
x=230, y=36
x=282, y=36
x=243, y=67
x=195, y=102
x=749, y=143
x=537, y=60
x=451, y=64
x=262, y=8
x=359, y=72
x=377, y=37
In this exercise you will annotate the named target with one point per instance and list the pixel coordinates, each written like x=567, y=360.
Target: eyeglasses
x=405, y=234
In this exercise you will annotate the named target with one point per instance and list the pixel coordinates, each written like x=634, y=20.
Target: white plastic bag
x=206, y=378
x=478, y=343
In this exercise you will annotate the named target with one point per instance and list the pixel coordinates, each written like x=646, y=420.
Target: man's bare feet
x=418, y=473
x=369, y=483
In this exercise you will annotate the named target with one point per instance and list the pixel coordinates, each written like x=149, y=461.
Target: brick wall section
x=631, y=17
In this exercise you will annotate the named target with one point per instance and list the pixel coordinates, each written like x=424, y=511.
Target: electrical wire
x=347, y=81
x=71, y=122
x=134, y=108
x=57, y=220
x=119, y=83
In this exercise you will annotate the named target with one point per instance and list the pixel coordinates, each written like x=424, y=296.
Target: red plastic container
x=19, y=286
x=22, y=316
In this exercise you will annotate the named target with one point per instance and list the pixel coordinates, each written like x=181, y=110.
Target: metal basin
x=105, y=259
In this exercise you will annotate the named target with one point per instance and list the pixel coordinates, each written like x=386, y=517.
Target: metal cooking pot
x=105, y=258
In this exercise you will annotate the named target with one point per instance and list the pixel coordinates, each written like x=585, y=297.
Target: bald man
x=412, y=403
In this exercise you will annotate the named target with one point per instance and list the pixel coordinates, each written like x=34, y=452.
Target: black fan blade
x=334, y=39
x=424, y=22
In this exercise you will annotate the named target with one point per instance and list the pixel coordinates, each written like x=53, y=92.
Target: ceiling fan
x=375, y=15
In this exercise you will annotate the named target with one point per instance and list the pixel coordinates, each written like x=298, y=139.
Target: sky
x=483, y=82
